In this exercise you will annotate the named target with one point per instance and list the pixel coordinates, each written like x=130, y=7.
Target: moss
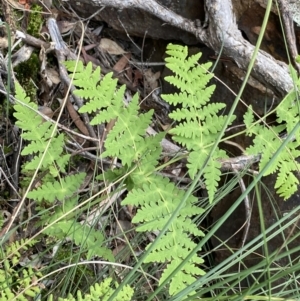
x=35, y=20
x=4, y=109
x=27, y=75
x=80, y=276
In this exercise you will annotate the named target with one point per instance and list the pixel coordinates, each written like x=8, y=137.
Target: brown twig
x=62, y=52
x=289, y=31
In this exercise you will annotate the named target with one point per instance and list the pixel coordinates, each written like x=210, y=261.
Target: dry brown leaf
x=166, y=127
x=151, y=80
x=110, y=46
x=76, y=118
x=46, y=111
x=65, y=26
x=53, y=75
x=3, y=43
x=122, y=63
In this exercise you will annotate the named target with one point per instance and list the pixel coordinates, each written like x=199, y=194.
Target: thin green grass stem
x=199, y=282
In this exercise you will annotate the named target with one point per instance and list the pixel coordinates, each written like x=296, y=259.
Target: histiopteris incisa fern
x=54, y=186
x=198, y=124
x=38, y=133
x=100, y=291
x=154, y=195
x=268, y=139
x=13, y=281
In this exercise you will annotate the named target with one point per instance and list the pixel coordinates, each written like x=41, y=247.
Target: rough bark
x=221, y=34
x=223, y=29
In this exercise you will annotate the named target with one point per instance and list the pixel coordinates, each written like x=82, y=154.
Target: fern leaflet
x=59, y=190
x=100, y=291
x=157, y=201
x=38, y=133
x=55, y=189
x=267, y=140
x=202, y=125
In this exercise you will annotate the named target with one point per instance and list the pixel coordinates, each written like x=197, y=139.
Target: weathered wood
x=221, y=34
x=139, y=22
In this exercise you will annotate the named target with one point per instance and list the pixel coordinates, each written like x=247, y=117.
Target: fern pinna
x=20, y=284
x=268, y=139
x=13, y=281
x=102, y=291
x=54, y=187
x=199, y=124
x=156, y=197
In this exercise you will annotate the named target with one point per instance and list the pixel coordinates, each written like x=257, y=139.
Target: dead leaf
x=53, y=75
x=65, y=26
x=76, y=118
x=3, y=43
x=46, y=111
x=151, y=80
x=166, y=127
x=122, y=227
x=118, y=249
x=26, y=3
x=122, y=63
x=111, y=47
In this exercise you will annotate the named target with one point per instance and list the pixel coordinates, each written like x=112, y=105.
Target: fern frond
x=267, y=141
x=127, y=134
x=87, y=238
x=38, y=133
x=115, y=108
x=155, y=196
x=100, y=291
x=12, y=282
x=55, y=187
x=157, y=201
x=185, y=277
x=84, y=77
x=59, y=190
x=288, y=112
x=100, y=93
x=200, y=123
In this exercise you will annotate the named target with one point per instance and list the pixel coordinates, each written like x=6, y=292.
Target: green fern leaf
x=58, y=190
x=115, y=108
x=199, y=123
x=248, y=121
x=64, y=209
x=84, y=77
x=130, y=127
x=156, y=197
x=157, y=201
x=288, y=187
x=212, y=174
x=105, y=94
x=267, y=141
x=84, y=236
x=13, y=281
x=100, y=291
x=100, y=93
x=127, y=133
x=185, y=277
x=38, y=132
